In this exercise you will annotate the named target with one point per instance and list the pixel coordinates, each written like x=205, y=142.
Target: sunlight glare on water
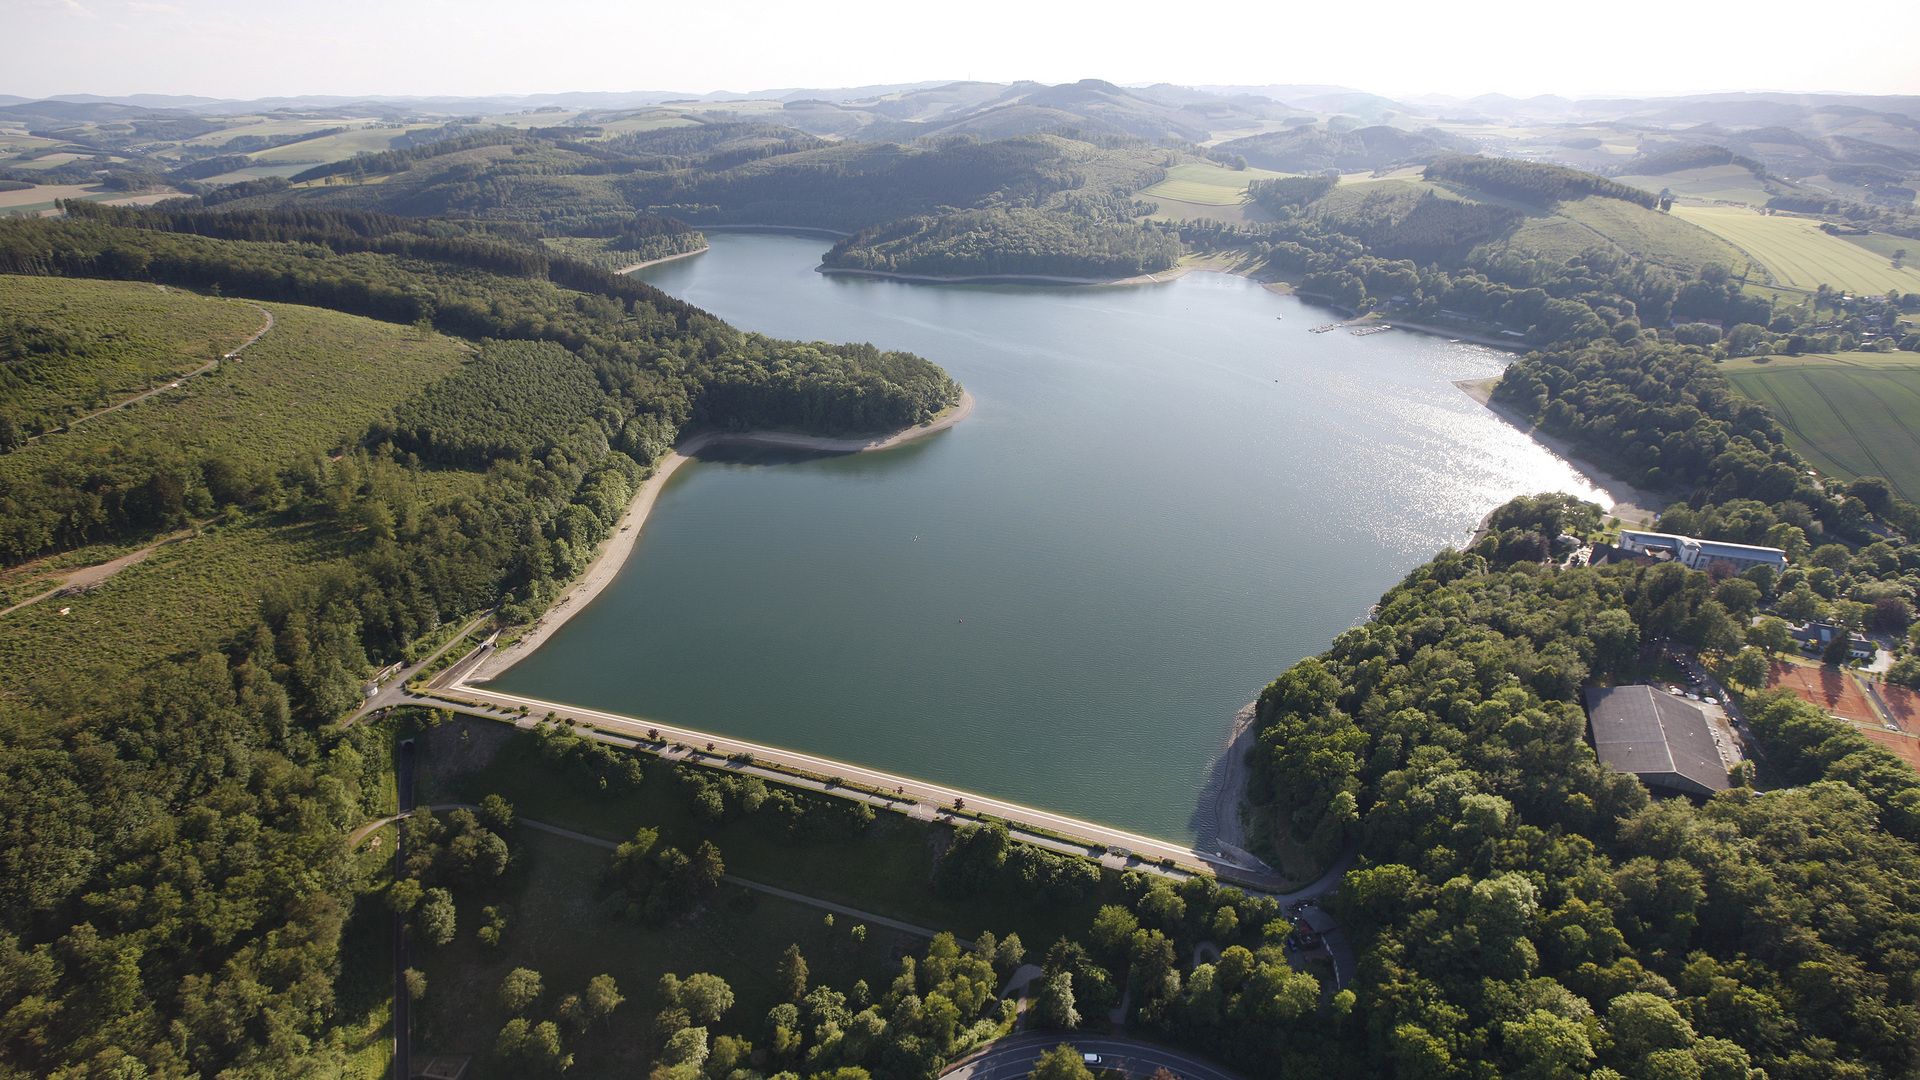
x=1166, y=495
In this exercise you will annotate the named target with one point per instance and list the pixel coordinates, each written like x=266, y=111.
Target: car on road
x=1090, y=1059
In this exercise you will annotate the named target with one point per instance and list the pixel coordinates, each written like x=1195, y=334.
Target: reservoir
x=1165, y=495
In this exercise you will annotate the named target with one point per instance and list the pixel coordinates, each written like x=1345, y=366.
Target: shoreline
x=1156, y=278
x=615, y=551
x=1631, y=504
x=656, y=262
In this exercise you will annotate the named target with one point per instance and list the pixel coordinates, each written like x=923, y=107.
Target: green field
x=1799, y=254
x=1850, y=414
x=105, y=341
x=1721, y=183
x=1206, y=185
x=1594, y=221
x=1885, y=244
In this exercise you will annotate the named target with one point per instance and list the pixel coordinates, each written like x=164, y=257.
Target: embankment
x=613, y=554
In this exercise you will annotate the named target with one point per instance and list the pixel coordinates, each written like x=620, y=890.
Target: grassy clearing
x=1847, y=419
x=885, y=872
x=1823, y=360
x=189, y=593
x=1206, y=185
x=311, y=384
x=560, y=929
x=315, y=380
x=123, y=338
x=1799, y=254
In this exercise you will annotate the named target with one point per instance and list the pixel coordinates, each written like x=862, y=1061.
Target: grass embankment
x=1799, y=254
x=79, y=346
x=311, y=384
x=886, y=872
x=560, y=929
x=1850, y=414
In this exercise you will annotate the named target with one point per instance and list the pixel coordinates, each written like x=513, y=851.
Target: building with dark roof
x=1662, y=739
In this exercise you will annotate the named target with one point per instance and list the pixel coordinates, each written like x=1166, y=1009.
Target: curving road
x=1012, y=1058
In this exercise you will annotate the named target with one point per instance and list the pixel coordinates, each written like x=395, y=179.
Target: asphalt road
x=1012, y=1058
x=929, y=795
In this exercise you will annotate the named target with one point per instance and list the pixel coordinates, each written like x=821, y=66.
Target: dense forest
x=1531, y=181
x=1019, y=241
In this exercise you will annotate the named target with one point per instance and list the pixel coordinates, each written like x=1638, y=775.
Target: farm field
x=1799, y=254
x=1848, y=419
x=333, y=147
x=1577, y=225
x=1206, y=185
x=1885, y=244
x=1723, y=183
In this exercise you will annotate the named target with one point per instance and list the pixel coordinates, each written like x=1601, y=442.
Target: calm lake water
x=1166, y=495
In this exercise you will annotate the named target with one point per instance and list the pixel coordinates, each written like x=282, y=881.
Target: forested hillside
x=1520, y=909
x=1020, y=241
x=173, y=887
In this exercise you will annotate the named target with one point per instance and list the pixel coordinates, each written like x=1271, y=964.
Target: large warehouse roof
x=1662, y=739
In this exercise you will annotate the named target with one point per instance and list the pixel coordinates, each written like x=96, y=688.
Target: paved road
x=933, y=795
x=393, y=690
x=1012, y=1058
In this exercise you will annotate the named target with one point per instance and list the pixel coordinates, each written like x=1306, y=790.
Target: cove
x=1165, y=496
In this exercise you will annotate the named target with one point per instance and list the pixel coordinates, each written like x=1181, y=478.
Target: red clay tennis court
x=1907, y=746
x=1830, y=688
x=1904, y=704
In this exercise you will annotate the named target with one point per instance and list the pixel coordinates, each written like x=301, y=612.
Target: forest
x=1531, y=181
x=1016, y=241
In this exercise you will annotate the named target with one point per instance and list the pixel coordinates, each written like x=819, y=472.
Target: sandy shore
x=613, y=554
x=1633, y=505
x=656, y=262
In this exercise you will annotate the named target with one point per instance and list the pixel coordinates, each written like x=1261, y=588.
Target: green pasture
x=1799, y=254
x=265, y=126
x=1847, y=418
x=335, y=147
x=1206, y=185
x=1885, y=244
x=1720, y=183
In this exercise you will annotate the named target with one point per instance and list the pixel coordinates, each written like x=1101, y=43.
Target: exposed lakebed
x=1166, y=495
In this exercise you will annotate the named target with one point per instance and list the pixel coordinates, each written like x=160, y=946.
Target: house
x=1816, y=636
x=1662, y=739
x=1701, y=554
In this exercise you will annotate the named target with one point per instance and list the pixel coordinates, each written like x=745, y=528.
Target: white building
x=1700, y=554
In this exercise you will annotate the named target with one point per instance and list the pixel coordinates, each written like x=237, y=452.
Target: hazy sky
x=256, y=48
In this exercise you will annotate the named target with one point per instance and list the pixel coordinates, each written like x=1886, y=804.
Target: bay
x=1166, y=495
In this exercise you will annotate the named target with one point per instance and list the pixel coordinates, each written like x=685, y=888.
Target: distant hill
x=1316, y=149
